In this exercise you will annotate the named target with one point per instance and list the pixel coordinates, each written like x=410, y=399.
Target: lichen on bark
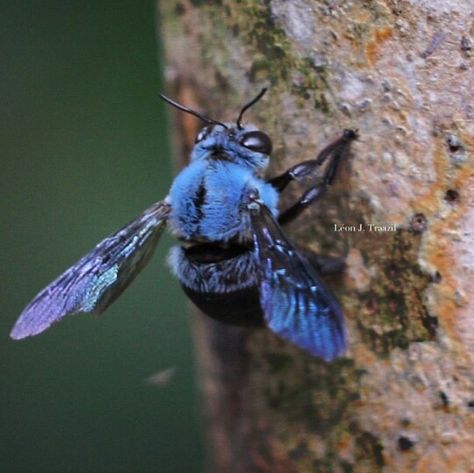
x=403, y=398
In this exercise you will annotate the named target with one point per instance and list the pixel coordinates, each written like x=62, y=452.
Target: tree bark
x=401, y=72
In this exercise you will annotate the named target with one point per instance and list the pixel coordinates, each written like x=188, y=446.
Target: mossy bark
x=401, y=72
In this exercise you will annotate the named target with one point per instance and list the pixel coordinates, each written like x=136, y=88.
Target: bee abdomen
x=221, y=281
x=240, y=307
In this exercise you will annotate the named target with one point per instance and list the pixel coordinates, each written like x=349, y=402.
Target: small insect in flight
x=234, y=262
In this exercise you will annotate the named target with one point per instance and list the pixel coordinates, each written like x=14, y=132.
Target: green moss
x=312, y=391
x=278, y=362
x=200, y=3
x=304, y=399
x=393, y=312
x=369, y=451
x=250, y=23
x=359, y=31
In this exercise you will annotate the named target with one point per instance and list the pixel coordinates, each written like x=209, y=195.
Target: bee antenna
x=247, y=106
x=177, y=105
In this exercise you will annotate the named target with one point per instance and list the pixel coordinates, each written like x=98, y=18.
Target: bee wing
x=99, y=277
x=295, y=303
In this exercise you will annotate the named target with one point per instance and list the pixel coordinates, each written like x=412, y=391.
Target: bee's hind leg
x=326, y=265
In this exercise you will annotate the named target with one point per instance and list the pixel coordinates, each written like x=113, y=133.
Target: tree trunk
x=402, y=399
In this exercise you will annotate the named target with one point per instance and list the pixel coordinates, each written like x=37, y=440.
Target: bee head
x=242, y=144
x=246, y=145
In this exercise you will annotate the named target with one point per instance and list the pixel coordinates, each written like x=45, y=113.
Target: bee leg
x=296, y=173
x=334, y=151
x=326, y=265
x=308, y=198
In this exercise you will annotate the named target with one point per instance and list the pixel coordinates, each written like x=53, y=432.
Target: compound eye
x=257, y=141
x=203, y=134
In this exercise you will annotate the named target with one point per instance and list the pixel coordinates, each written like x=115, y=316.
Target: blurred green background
x=84, y=150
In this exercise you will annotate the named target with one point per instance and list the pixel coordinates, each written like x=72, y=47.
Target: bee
x=234, y=261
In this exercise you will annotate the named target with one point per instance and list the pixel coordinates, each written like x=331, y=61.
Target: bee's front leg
x=333, y=154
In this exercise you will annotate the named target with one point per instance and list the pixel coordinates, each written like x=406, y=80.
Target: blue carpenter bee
x=234, y=263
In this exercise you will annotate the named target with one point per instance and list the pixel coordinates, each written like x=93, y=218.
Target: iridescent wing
x=99, y=277
x=295, y=303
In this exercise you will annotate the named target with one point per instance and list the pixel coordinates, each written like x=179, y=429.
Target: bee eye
x=203, y=134
x=257, y=141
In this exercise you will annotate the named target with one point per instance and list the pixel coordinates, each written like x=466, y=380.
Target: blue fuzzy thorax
x=208, y=196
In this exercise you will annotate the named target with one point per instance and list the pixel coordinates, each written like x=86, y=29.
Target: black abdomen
x=240, y=307
x=220, y=280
